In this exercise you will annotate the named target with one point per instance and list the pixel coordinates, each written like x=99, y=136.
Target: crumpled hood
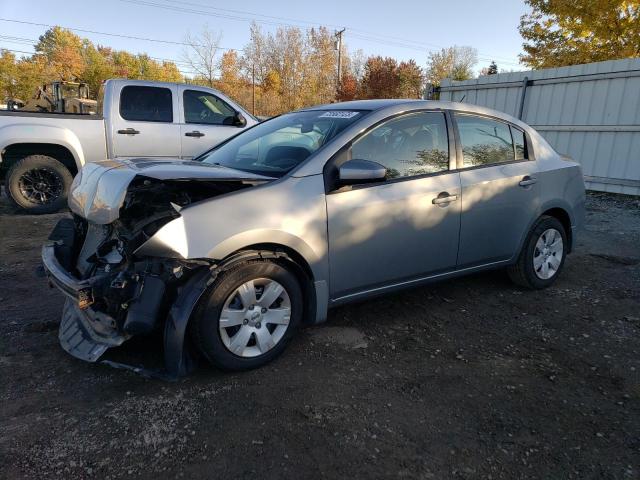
x=99, y=190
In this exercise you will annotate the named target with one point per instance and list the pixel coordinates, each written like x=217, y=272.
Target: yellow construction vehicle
x=58, y=97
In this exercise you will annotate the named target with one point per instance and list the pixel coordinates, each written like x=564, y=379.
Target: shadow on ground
x=472, y=378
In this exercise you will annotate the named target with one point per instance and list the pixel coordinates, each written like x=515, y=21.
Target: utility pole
x=253, y=91
x=339, y=47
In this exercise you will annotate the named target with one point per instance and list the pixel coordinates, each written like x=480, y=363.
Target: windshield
x=277, y=146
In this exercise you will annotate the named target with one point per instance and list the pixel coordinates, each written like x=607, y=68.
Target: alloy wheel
x=40, y=185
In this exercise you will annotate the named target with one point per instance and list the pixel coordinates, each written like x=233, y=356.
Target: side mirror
x=239, y=120
x=361, y=171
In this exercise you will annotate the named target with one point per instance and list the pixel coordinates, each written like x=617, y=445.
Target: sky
x=402, y=29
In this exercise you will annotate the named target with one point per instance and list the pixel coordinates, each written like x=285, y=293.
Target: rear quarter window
x=519, y=143
x=146, y=104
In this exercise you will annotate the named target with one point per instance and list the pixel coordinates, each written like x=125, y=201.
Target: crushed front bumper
x=84, y=333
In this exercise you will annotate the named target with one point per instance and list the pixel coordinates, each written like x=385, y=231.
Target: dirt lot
x=467, y=379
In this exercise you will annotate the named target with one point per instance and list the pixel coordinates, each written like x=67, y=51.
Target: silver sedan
x=231, y=253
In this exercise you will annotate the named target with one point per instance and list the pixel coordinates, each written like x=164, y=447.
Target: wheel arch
x=283, y=253
x=34, y=139
x=564, y=218
x=178, y=360
x=557, y=210
x=17, y=151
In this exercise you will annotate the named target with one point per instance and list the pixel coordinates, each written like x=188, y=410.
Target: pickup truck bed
x=41, y=152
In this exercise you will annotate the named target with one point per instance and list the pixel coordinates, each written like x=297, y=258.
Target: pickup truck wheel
x=248, y=316
x=38, y=184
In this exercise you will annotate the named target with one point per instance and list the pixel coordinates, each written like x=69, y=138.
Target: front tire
x=248, y=316
x=38, y=184
x=542, y=256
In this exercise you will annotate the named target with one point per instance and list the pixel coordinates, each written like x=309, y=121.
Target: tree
x=201, y=54
x=63, y=52
x=410, y=80
x=355, y=63
x=453, y=62
x=230, y=81
x=566, y=32
x=380, y=79
x=492, y=69
x=348, y=88
x=98, y=67
x=8, y=72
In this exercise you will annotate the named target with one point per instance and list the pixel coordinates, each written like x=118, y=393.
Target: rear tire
x=38, y=184
x=236, y=329
x=542, y=256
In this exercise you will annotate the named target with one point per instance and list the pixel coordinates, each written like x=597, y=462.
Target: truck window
x=146, y=104
x=203, y=107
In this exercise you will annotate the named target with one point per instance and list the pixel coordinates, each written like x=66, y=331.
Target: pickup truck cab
x=40, y=153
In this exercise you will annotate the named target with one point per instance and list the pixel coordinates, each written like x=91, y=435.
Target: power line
x=283, y=21
x=32, y=41
x=120, y=35
x=184, y=71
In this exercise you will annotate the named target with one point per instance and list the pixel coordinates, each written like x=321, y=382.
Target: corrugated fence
x=590, y=112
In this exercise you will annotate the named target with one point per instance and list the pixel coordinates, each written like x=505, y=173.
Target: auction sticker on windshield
x=339, y=114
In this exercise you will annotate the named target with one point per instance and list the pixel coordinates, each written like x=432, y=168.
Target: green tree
x=566, y=32
x=454, y=62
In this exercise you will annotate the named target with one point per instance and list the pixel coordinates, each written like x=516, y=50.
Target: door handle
x=444, y=199
x=128, y=131
x=527, y=180
x=195, y=133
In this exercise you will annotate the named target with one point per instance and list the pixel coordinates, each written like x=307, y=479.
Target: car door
x=208, y=120
x=405, y=227
x=500, y=193
x=143, y=125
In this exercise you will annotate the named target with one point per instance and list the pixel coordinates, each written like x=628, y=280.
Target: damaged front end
x=112, y=292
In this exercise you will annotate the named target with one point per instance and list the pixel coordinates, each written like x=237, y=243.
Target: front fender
x=45, y=134
x=289, y=213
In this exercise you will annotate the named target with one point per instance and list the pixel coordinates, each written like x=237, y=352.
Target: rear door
x=145, y=122
x=207, y=120
x=500, y=193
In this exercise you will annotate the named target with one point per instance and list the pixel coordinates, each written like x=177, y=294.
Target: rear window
x=146, y=104
x=484, y=141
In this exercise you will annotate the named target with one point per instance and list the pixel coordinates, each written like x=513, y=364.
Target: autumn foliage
x=278, y=71
x=566, y=32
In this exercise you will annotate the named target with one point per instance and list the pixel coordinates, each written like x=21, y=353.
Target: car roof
x=398, y=105
x=371, y=105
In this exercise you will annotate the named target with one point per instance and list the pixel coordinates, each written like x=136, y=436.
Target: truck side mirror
x=239, y=120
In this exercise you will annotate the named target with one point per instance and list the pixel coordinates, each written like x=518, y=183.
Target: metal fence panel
x=590, y=112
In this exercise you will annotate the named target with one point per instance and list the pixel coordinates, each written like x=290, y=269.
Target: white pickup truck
x=41, y=152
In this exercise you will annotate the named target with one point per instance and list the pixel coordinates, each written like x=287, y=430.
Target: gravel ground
x=471, y=378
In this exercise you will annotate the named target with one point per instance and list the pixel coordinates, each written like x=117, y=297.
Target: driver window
x=205, y=108
x=408, y=146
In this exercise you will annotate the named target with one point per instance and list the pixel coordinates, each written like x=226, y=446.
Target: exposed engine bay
x=113, y=292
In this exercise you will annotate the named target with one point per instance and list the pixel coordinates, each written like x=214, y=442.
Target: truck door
x=145, y=122
x=208, y=120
